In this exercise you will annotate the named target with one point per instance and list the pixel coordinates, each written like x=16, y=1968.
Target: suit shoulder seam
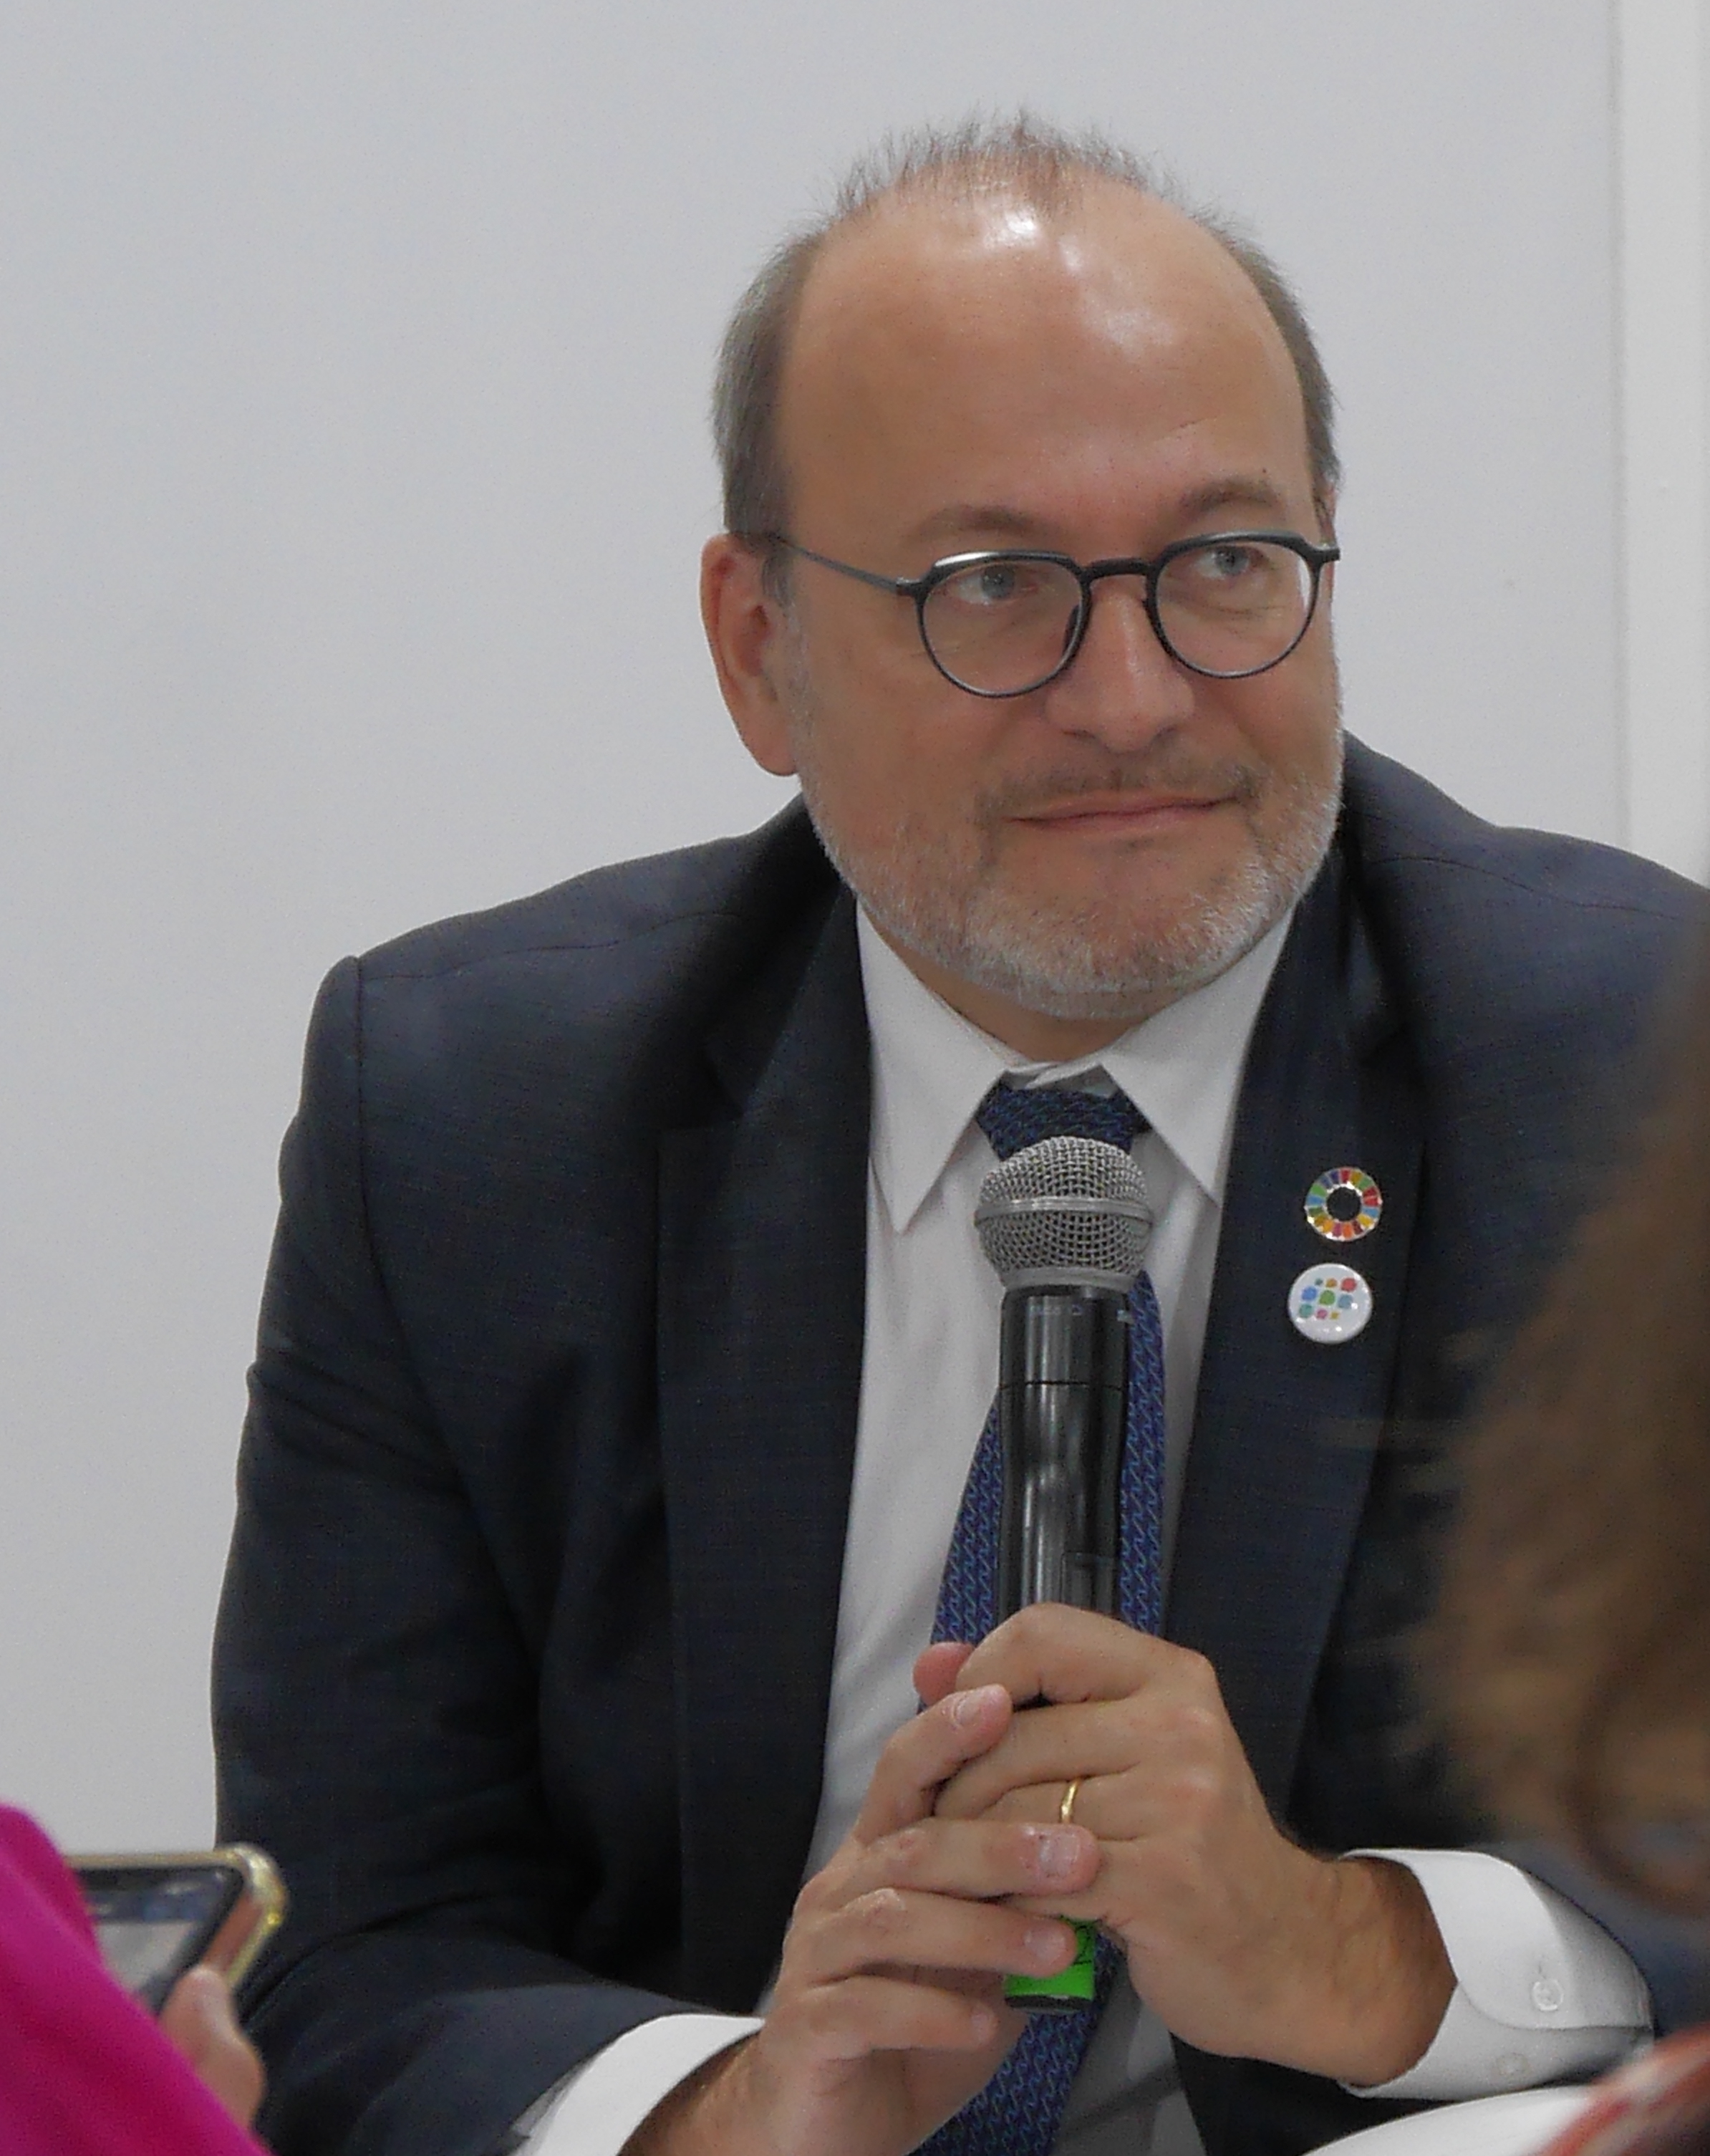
x=1533, y=888
x=376, y=974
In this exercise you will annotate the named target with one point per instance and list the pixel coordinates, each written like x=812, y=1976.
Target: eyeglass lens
x=1230, y=608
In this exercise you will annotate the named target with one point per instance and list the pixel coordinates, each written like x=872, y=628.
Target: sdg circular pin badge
x=1344, y=1204
x=1330, y=1304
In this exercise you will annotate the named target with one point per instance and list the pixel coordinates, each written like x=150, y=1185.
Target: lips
x=1151, y=792
x=1130, y=811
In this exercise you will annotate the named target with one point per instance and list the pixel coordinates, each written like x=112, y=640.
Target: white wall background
x=352, y=474
x=1662, y=313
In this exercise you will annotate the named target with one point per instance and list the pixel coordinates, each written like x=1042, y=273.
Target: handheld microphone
x=1065, y=1225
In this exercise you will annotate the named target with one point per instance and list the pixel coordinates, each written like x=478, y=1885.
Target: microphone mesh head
x=1067, y=1211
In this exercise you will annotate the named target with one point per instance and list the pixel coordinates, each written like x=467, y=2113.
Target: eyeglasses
x=1005, y=622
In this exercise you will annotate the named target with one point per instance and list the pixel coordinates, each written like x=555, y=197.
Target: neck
x=1034, y=1035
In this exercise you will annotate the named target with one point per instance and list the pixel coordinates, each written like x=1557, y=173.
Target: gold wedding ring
x=1066, y=1809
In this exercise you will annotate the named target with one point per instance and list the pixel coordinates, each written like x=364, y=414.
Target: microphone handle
x=1062, y=1417
x=1062, y=1410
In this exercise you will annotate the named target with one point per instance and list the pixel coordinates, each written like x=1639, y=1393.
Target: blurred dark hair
x=1571, y=1650
x=1019, y=159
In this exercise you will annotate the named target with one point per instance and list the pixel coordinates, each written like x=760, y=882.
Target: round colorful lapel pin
x=1330, y=1304
x=1344, y=1204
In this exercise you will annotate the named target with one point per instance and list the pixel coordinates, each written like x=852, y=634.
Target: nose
x=1123, y=687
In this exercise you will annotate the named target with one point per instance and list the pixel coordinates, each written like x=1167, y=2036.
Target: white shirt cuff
x=1541, y=1994
x=594, y=2111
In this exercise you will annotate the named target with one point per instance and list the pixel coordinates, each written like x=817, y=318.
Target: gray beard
x=1076, y=959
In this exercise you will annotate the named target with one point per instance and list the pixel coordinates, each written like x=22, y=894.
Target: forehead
x=953, y=352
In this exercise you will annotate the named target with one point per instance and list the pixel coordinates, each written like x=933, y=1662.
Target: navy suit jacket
x=524, y=1657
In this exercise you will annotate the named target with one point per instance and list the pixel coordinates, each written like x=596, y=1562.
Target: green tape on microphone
x=1069, y=1992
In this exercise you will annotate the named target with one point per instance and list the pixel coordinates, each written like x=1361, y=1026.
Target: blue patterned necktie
x=1018, y=2111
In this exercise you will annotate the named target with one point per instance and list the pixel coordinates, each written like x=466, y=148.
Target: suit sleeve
x=376, y=1712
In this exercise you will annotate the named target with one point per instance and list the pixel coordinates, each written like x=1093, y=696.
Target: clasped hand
x=1241, y=1941
x=888, y=2014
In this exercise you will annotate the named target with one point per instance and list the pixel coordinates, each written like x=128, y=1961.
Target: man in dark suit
x=595, y=1300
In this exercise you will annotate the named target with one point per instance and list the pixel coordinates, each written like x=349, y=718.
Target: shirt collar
x=931, y=1068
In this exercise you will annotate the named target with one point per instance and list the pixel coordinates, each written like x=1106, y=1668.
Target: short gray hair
x=1047, y=168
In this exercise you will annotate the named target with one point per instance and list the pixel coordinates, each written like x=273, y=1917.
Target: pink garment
x=84, y=2072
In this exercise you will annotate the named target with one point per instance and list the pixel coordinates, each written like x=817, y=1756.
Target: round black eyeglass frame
x=1317, y=556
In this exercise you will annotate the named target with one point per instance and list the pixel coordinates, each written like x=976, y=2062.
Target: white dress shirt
x=1542, y=1992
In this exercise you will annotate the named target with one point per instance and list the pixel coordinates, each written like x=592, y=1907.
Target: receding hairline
x=932, y=209
x=1057, y=192
x=1020, y=162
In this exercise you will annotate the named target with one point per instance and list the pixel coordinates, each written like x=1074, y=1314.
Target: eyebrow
x=961, y=520
x=1243, y=491
x=964, y=520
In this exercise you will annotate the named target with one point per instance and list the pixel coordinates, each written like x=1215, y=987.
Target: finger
x=1046, y=1748
x=1050, y=1652
x=936, y=1669
x=924, y=1753
x=975, y=1860
x=198, y=2020
x=1094, y=1907
x=1139, y=1806
x=848, y=2019
x=891, y=1928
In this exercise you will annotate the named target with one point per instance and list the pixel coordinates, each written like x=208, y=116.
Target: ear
x=745, y=629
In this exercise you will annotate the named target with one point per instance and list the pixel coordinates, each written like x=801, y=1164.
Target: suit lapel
x=761, y=1292
x=1285, y=1429
x=761, y=1278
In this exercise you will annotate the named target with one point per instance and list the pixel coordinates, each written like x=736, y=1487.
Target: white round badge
x=1330, y=1304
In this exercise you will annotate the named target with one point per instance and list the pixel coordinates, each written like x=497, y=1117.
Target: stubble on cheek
x=955, y=886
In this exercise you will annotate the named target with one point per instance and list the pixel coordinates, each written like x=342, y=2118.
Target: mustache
x=1163, y=768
